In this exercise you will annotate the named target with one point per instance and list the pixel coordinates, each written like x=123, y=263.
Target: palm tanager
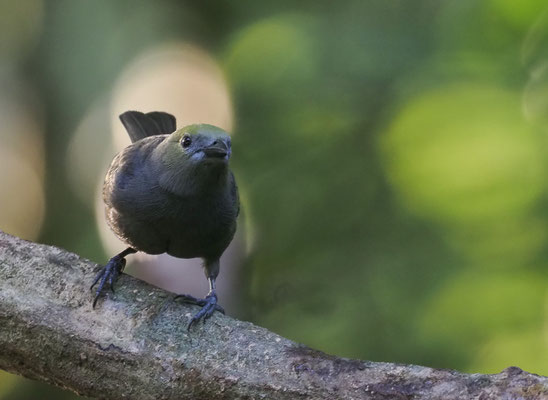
x=171, y=191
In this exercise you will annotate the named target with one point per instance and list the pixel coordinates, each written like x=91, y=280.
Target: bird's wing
x=140, y=125
x=235, y=194
x=129, y=177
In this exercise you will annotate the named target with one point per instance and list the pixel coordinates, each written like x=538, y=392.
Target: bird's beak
x=217, y=150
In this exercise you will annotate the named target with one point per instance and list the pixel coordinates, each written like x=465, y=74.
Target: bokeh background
x=392, y=160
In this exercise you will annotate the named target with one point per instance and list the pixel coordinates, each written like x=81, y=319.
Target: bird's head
x=193, y=156
x=199, y=144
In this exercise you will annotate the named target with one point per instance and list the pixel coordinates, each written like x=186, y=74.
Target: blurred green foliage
x=391, y=156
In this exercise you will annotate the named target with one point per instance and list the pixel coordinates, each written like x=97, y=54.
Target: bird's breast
x=199, y=228
x=154, y=220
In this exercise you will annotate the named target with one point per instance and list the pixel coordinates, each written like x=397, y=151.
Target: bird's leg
x=109, y=273
x=209, y=304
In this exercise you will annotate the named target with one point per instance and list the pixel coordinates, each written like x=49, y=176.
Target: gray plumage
x=140, y=125
x=173, y=191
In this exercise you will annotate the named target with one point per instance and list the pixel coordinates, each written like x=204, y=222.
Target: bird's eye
x=186, y=141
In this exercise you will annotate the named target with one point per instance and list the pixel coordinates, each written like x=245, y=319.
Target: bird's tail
x=140, y=125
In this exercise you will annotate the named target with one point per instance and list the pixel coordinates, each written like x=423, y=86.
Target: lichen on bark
x=136, y=346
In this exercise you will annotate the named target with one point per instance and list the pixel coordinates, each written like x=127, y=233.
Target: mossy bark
x=135, y=345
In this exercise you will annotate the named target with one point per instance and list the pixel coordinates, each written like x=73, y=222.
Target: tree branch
x=135, y=345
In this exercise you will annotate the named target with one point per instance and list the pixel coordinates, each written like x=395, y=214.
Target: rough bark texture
x=135, y=345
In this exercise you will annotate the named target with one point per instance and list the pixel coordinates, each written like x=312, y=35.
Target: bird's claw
x=209, y=306
x=188, y=299
x=108, y=274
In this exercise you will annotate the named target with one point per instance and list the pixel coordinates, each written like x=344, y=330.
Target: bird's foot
x=108, y=274
x=209, y=306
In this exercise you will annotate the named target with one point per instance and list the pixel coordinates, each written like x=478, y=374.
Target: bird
x=171, y=191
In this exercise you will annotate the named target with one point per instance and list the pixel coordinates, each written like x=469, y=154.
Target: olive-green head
x=192, y=157
x=199, y=144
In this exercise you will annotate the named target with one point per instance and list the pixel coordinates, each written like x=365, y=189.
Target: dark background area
x=391, y=158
